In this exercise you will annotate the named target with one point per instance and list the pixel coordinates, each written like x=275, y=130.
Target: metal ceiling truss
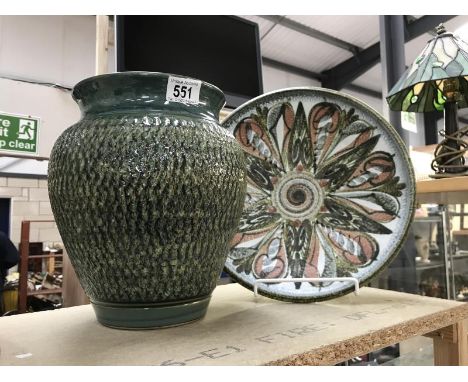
x=346, y=72
x=275, y=23
x=291, y=68
x=311, y=32
x=316, y=76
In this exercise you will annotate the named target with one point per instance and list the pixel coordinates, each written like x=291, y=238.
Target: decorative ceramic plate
x=330, y=193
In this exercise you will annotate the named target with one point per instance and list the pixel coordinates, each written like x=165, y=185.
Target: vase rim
x=135, y=90
x=142, y=73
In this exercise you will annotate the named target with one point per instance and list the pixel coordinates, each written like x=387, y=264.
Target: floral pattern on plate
x=330, y=192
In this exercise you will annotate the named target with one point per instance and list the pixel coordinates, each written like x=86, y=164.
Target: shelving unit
x=23, y=266
x=44, y=292
x=456, y=183
x=51, y=256
x=442, y=191
x=433, y=265
x=446, y=191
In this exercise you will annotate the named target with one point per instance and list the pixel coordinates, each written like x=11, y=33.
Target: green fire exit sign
x=18, y=133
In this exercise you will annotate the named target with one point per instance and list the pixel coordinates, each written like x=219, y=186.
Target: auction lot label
x=18, y=133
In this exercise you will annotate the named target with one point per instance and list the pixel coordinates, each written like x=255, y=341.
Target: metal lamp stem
x=451, y=127
x=449, y=160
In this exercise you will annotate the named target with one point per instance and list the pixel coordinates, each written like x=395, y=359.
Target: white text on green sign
x=18, y=133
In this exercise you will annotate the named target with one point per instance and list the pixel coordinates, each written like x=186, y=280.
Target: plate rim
x=411, y=186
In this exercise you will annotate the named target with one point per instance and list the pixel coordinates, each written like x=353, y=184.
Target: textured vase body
x=146, y=194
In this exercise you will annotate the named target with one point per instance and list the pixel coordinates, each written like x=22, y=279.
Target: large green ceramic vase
x=147, y=194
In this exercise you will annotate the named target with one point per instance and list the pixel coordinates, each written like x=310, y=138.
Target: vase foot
x=149, y=316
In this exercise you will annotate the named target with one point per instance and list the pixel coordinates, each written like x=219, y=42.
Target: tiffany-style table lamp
x=438, y=80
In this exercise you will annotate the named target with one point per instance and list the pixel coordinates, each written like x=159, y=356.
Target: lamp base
x=449, y=155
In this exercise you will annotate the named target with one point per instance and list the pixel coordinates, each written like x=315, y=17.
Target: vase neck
x=141, y=91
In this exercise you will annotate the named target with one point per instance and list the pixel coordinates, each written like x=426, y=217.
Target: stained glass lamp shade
x=438, y=80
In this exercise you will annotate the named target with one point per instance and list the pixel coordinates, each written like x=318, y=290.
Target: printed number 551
x=182, y=91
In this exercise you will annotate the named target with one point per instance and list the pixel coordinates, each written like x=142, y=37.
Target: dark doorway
x=5, y=204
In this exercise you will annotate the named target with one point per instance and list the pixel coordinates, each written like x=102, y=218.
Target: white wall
x=61, y=49
x=54, y=107
x=274, y=79
x=57, y=49
x=375, y=103
x=54, y=49
x=29, y=201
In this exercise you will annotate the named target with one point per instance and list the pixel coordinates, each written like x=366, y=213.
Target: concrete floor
x=417, y=351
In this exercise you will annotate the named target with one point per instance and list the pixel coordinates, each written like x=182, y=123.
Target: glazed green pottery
x=147, y=190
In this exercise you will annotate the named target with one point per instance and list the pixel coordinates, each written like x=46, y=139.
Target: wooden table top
x=239, y=329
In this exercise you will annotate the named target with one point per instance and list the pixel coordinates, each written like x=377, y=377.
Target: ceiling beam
x=311, y=32
x=316, y=76
x=291, y=68
x=363, y=90
x=346, y=72
x=269, y=30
